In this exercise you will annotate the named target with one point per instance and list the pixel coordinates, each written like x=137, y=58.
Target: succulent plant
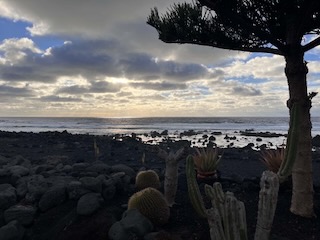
x=171, y=174
x=193, y=189
x=148, y=178
x=206, y=160
x=273, y=158
x=152, y=204
x=292, y=144
x=227, y=216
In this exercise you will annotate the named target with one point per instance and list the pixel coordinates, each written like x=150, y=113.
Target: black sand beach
x=60, y=158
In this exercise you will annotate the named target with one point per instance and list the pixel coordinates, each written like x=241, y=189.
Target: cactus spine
x=148, y=178
x=152, y=204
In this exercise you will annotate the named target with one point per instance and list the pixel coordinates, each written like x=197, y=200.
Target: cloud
x=53, y=98
x=14, y=49
x=245, y=91
x=159, y=86
x=9, y=91
x=122, y=20
x=94, y=59
x=112, y=61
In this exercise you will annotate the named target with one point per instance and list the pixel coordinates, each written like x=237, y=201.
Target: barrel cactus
x=152, y=204
x=148, y=178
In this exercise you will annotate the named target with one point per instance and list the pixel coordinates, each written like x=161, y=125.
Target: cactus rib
x=292, y=144
x=193, y=188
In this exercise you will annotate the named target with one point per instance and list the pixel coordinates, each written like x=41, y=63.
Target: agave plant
x=206, y=161
x=273, y=158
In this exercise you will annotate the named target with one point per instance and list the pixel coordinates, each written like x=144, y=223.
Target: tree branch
x=248, y=25
x=312, y=44
x=243, y=49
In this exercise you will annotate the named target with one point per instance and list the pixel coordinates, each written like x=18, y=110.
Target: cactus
x=148, y=178
x=193, y=189
x=171, y=175
x=206, y=160
x=96, y=150
x=227, y=217
x=152, y=204
x=292, y=144
x=231, y=214
x=268, y=197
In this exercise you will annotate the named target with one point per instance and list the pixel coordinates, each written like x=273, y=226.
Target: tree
x=269, y=26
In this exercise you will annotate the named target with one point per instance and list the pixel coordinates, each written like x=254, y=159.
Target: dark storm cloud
x=143, y=66
x=86, y=58
x=96, y=58
x=25, y=73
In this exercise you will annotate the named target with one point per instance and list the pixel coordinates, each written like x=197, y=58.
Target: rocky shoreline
x=56, y=185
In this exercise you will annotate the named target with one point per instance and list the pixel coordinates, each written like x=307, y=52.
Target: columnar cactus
x=171, y=175
x=148, y=178
x=268, y=198
x=193, y=189
x=291, y=145
x=226, y=218
x=152, y=204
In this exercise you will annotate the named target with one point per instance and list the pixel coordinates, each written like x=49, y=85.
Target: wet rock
x=89, y=203
x=21, y=187
x=123, y=168
x=316, y=141
x=109, y=190
x=36, y=186
x=212, y=138
x=23, y=214
x=249, y=146
x=12, y=231
x=91, y=183
x=155, y=134
x=8, y=196
x=19, y=170
x=66, y=169
x=164, y=133
x=80, y=167
x=100, y=168
x=53, y=197
x=75, y=190
x=216, y=133
x=188, y=133
x=133, y=225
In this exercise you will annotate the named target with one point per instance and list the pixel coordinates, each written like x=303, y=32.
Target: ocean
x=143, y=126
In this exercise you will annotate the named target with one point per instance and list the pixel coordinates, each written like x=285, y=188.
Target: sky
x=99, y=58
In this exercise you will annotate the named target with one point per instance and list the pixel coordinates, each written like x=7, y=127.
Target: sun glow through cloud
x=100, y=58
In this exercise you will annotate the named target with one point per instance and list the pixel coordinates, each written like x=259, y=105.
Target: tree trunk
x=302, y=180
